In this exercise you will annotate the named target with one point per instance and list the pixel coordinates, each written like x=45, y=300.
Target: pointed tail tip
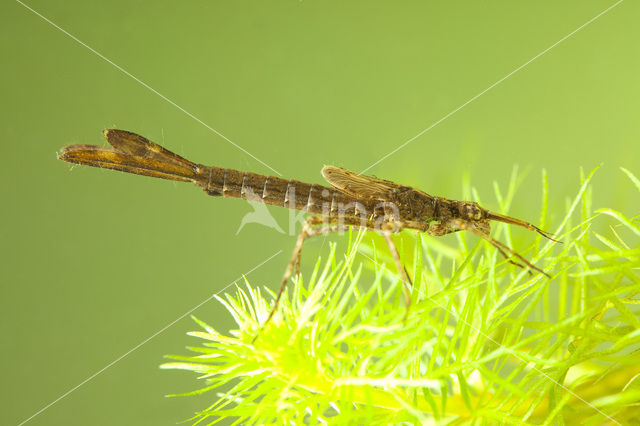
x=106, y=132
x=112, y=131
x=66, y=153
x=67, y=149
x=114, y=136
x=62, y=154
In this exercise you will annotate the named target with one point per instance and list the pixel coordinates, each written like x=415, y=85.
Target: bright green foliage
x=484, y=342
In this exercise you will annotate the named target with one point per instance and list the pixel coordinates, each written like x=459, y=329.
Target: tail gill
x=132, y=153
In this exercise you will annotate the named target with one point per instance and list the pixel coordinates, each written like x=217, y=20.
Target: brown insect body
x=352, y=199
x=414, y=208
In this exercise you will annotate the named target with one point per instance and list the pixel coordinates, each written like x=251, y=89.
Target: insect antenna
x=513, y=221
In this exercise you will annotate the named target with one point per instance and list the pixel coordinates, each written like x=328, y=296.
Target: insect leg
x=506, y=256
x=294, y=259
x=324, y=230
x=406, y=281
x=440, y=229
x=310, y=232
x=307, y=231
x=502, y=248
x=334, y=224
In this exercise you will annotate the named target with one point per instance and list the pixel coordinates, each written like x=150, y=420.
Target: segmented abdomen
x=280, y=192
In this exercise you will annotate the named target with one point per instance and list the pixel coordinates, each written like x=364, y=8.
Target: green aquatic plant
x=483, y=341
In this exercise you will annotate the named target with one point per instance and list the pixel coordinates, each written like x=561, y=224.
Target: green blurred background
x=95, y=262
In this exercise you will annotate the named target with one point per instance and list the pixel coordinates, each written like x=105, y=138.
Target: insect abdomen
x=270, y=190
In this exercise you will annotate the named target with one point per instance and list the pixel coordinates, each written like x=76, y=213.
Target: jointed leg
x=502, y=249
x=406, y=282
x=331, y=225
x=307, y=231
x=506, y=256
x=295, y=256
x=458, y=225
x=440, y=229
x=323, y=230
